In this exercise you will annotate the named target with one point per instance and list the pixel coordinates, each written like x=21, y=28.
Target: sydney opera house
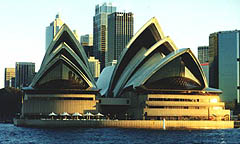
x=152, y=80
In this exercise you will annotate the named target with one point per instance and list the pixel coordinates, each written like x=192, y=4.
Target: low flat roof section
x=114, y=101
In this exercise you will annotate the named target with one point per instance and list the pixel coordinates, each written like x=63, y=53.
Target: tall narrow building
x=24, y=72
x=9, y=77
x=213, y=60
x=52, y=30
x=94, y=67
x=120, y=31
x=203, y=54
x=203, y=57
x=224, y=51
x=100, y=27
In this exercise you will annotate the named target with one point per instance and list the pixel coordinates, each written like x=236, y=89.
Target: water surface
x=20, y=135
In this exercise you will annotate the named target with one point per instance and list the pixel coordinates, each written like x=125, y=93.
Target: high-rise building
x=203, y=59
x=213, y=60
x=94, y=66
x=224, y=51
x=100, y=22
x=52, y=30
x=120, y=31
x=87, y=43
x=24, y=72
x=203, y=54
x=9, y=77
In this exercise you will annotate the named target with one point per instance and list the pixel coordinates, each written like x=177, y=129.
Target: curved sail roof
x=161, y=49
x=65, y=65
x=104, y=79
x=144, y=39
x=179, y=70
x=151, y=61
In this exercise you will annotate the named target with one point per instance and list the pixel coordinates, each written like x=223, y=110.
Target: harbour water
x=10, y=134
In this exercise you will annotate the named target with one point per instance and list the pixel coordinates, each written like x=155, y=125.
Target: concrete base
x=145, y=124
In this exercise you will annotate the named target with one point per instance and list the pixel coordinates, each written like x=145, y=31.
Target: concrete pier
x=141, y=124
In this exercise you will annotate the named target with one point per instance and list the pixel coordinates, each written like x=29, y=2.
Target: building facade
x=205, y=67
x=224, y=64
x=52, y=30
x=213, y=60
x=87, y=43
x=120, y=31
x=203, y=57
x=94, y=66
x=9, y=78
x=100, y=27
x=203, y=54
x=24, y=72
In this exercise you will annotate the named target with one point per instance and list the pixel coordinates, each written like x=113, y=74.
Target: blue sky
x=187, y=22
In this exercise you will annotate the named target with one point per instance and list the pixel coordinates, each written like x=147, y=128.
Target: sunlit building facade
x=224, y=57
x=9, y=77
x=94, y=66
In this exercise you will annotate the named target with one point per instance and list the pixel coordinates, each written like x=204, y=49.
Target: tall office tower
x=224, y=49
x=9, y=77
x=203, y=59
x=24, y=72
x=203, y=54
x=94, y=66
x=213, y=60
x=100, y=21
x=120, y=31
x=87, y=43
x=52, y=30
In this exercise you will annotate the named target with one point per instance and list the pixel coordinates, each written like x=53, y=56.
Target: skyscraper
x=203, y=57
x=120, y=31
x=52, y=30
x=100, y=22
x=24, y=72
x=203, y=54
x=224, y=51
x=213, y=60
x=87, y=43
x=9, y=77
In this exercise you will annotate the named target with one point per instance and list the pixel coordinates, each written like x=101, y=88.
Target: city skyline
x=188, y=24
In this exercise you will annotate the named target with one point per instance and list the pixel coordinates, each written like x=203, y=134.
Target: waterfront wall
x=145, y=124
